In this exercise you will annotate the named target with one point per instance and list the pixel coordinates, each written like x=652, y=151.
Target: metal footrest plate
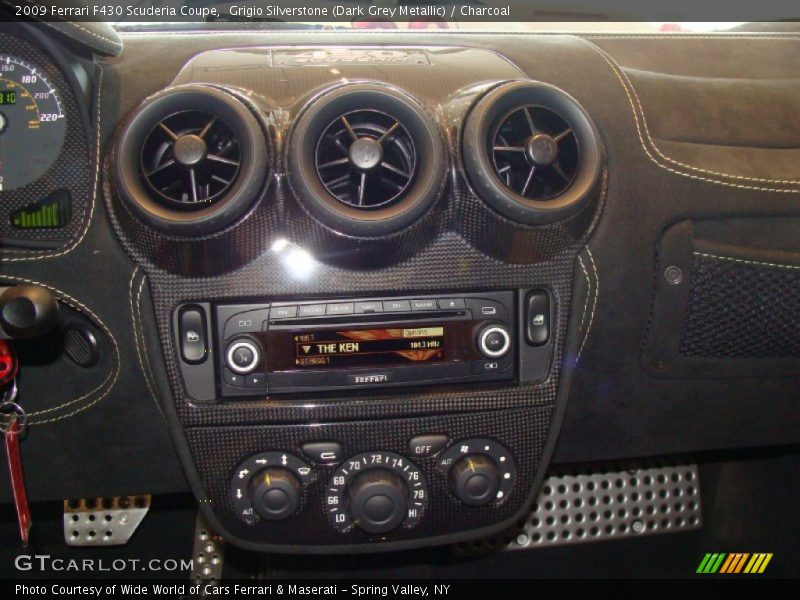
x=589, y=505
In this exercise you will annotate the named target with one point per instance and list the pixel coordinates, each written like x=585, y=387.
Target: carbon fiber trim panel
x=218, y=451
x=460, y=245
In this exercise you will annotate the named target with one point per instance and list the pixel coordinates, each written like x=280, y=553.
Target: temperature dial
x=376, y=492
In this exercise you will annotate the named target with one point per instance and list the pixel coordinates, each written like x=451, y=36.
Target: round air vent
x=531, y=152
x=191, y=160
x=366, y=160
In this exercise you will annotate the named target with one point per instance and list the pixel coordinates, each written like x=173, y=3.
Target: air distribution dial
x=479, y=471
x=269, y=486
x=475, y=479
x=275, y=493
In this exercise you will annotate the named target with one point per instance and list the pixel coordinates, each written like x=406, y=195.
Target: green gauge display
x=32, y=123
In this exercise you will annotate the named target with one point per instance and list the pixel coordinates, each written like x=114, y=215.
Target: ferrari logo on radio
x=379, y=378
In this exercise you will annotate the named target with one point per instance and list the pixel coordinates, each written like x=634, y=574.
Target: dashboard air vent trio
x=366, y=160
x=531, y=152
x=191, y=160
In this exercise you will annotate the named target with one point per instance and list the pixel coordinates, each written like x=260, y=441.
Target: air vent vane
x=366, y=159
x=190, y=159
x=535, y=152
x=532, y=152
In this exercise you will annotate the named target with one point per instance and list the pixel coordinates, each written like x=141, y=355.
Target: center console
x=232, y=353
x=362, y=287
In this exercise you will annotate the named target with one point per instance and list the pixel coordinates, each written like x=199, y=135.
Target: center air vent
x=366, y=160
x=531, y=152
x=191, y=160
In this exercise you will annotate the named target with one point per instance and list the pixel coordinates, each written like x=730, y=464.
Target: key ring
x=9, y=408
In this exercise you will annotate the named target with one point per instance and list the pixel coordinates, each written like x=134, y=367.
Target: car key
x=12, y=427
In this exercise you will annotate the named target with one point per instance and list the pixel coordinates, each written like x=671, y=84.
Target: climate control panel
x=374, y=492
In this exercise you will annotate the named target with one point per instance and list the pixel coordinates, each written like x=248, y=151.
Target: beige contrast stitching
x=76, y=304
x=588, y=294
x=628, y=88
x=594, y=303
x=747, y=262
x=144, y=360
x=114, y=43
x=94, y=191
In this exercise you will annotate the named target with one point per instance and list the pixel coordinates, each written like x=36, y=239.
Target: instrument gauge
x=33, y=123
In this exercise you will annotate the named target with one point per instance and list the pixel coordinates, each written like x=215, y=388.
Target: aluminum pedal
x=103, y=521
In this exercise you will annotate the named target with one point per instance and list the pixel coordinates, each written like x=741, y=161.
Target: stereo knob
x=475, y=479
x=242, y=356
x=275, y=493
x=494, y=340
x=378, y=501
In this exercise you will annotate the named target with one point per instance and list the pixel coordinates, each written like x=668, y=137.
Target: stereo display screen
x=367, y=347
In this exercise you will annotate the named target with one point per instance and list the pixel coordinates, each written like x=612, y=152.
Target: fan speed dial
x=376, y=492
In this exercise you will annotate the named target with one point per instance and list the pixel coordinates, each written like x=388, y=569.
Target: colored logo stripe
x=734, y=562
x=758, y=563
x=711, y=563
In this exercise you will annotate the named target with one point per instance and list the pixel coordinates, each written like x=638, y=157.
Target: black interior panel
x=700, y=140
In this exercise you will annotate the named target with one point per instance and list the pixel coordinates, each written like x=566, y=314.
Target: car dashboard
x=362, y=292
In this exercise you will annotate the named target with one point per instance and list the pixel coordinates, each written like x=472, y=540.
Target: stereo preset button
x=283, y=312
x=486, y=367
x=426, y=445
x=397, y=305
x=340, y=308
x=242, y=357
x=246, y=322
x=256, y=381
x=424, y=304
x=323, y=452
x=311, y=310
x=451, y=303
x=368, y=307
x=232, y=378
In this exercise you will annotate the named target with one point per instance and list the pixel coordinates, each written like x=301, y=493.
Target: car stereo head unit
x=328, y=345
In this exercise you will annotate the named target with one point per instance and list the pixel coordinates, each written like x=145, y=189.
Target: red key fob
x=8, y=363
x=17, y=480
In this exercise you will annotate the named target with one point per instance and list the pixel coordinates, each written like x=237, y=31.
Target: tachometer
x=32, y=123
